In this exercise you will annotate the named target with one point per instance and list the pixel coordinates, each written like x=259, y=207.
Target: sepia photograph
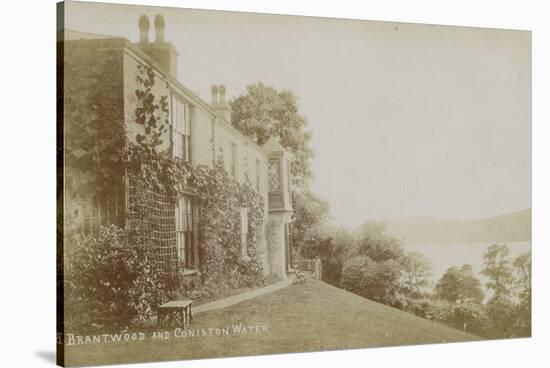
x=236, y=183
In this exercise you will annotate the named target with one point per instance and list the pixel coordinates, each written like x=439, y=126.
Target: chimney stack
x=143, y=29
x=220, y=105
x=164, y=53
x=159, y=28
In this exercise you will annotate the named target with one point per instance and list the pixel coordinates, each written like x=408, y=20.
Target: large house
x=199, y=131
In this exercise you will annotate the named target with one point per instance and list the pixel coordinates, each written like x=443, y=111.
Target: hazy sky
x=408, y=119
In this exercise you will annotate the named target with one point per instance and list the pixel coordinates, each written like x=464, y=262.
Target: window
x=258, y=175
x=181, y=137
x=233, y=160
x=275, y=198
x=92, y=214
x=274, y=175
x=244, y=230
x=185, y=234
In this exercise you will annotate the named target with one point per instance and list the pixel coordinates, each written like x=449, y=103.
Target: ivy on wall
x=220, y=196
x=98, y=150
x=142, y=158
x=93, y=121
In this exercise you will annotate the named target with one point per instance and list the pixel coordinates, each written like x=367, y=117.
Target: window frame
x=275, y=195
x=181, y=129
x=186, y=227
x=277, y=162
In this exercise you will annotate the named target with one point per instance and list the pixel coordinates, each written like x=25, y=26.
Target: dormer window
x=181, y=132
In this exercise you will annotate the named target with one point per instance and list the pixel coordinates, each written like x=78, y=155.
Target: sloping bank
x=305, y=317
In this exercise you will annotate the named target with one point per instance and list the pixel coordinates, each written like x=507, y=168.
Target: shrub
x=501, y=313
x=435, y=310
x=379, y=281
x=251, y=271
x=355, y=274
x=522, y=320
x=111, y=281
x=471, y=317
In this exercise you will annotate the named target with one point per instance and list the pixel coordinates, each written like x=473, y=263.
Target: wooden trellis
x=156, y=216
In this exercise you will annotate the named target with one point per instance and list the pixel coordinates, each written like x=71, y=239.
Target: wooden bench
x=176, y=312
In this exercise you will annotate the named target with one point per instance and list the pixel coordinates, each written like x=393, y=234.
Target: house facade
x=199, y=132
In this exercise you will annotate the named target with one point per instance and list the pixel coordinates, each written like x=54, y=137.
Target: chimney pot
x=222, y=93
x=164, y=53
x=143, y=24
x=214, y=90
x=159, y=28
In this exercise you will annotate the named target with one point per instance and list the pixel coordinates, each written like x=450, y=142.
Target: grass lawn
x=306, y=317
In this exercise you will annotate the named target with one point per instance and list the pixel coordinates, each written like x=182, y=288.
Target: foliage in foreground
x=111, y=281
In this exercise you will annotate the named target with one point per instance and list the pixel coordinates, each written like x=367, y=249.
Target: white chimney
x=143, y=29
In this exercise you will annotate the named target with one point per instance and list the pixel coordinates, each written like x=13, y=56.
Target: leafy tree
x=502, y=315
x=459, y=284
x=375, y=263
x=262, y=113
x=416, y=272
x=499, y=271
x=265, y=112
x=378, y=281
x=308, y=219
x=376, y=244
x=333, y=251
x=522, y=267
x=310, y=215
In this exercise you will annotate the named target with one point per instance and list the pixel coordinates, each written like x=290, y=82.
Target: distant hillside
x=514, y=226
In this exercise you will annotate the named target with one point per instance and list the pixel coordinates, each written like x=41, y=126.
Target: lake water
x=444, y=256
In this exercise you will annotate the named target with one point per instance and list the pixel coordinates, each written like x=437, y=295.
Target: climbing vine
x=93, y=122
x=104, y=158
x=220, y=196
